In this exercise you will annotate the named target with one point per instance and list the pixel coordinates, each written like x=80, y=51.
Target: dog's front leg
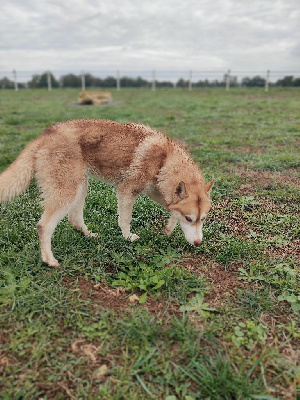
x=171, y=225
x=125, y=206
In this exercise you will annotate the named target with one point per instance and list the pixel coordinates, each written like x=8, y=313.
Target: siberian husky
x=133, y=157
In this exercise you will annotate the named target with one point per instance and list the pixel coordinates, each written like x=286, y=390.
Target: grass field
x=159, y=318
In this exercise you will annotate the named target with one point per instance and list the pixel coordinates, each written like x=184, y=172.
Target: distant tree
x=110, y=82
x=246, y=81
x=41, y=81
x=34, y=83
x=44, y=80
x=204, y=83
x=297, y=82
x=255, y=81
x=97, y=82
x=142, y=82
x=216, y=83
x=286, y=81
x=70, y=80
x=182, y=83
x=125, y=81
x=89, y=80
x=258, y=81
x=164, y=84
x=5, y=83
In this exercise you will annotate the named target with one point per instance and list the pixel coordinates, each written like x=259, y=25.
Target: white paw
x=133, y=237
x=52, y=262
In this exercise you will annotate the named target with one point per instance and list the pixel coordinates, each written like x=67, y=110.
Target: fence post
x=153, y=81
x=267, y=81
x=49, y=81
x=228, y=80
x=190, y=80
x=15, y=80
x=118, y=81
x=82, y=81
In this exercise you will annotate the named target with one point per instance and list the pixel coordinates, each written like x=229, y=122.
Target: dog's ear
x=180, y=193
x=209, y=186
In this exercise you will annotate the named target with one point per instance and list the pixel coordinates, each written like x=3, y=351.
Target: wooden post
x=190, y=80
x=49, y=81
x=153, y=81
x=267, y=81
x=118, y=81
x=228, y=80
x=83, y=81
x=15, y=80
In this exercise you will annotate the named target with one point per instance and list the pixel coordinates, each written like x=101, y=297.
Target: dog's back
x=106, y=148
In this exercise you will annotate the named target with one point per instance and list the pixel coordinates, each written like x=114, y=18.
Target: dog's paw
x=171, y=225
x=52, y=262
x=133, y=237
x=168, y=230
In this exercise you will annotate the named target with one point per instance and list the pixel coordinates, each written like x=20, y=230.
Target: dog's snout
x=197, y=242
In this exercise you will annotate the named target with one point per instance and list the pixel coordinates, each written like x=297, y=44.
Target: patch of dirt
x=4, y=360
x=103, y=295
x=223, y=283
x=119, y=299
x=267, y=178
x=290, y=250
x=234, y=221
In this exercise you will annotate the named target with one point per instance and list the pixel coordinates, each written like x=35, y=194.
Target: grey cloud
x=150, y=34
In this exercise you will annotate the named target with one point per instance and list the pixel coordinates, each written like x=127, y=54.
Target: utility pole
x=190, y=80
x=267, y=81
x=228, y=80
x=153, y=81
x=49, y=81
x=83, y=81
x=118, y=81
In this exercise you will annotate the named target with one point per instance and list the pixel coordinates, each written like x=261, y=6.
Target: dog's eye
x=189, y=219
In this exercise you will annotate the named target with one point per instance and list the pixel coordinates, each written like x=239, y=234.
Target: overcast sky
x=139, y=35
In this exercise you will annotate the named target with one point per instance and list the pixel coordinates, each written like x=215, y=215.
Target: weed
x=233, y=249
x=214, y=378
x=155, y=273
x=247, y=333
x=254, y=303
x=197, y=304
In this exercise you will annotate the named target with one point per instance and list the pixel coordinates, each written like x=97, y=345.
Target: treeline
x=75, y=81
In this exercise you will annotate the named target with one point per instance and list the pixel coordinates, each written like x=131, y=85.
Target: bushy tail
x=17, y=177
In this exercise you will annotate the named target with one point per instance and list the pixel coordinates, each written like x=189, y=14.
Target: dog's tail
x=17, y=177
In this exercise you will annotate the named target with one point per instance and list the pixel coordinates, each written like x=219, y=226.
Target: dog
x=134, y=158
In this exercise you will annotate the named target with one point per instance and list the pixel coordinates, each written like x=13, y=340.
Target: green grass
x=219, y=321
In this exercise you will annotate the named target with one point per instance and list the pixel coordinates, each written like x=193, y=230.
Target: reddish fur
x=133, y=157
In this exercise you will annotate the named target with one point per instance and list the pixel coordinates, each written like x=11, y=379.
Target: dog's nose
x=197, y=241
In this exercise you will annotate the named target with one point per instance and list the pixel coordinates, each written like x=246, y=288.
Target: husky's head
x=190, y=207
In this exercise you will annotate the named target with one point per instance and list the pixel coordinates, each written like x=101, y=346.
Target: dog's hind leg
x=125, y=206
x=58, y=203
x=46, y=226
x=76, y=212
